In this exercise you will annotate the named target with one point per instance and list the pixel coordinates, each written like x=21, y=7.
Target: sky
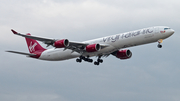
x=151, y=74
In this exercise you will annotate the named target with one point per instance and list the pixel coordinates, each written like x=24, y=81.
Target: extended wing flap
x=77, y=44
x=80, y=46
x=104, y=45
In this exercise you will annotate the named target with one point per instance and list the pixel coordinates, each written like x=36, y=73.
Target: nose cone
x=172, y=32
x=168, y=33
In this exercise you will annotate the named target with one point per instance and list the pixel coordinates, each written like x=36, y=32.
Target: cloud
x=82, y=18
x=33, y=96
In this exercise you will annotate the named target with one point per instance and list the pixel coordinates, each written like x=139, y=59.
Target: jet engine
x=93, y=48
x=123, y=54
x=61, y=43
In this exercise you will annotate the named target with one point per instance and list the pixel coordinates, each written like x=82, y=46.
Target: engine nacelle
x=93, y=48
x=123, y=54
x=61, y=43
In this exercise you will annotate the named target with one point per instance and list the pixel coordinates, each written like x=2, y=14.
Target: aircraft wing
x=74, y=46
x=47, y=41
x=22, y=53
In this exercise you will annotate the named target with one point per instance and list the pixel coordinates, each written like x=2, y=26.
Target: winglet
x=14, y=31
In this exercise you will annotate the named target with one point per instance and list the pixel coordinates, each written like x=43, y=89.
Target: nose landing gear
x=159, y=43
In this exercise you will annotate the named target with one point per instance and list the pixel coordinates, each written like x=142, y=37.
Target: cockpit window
x=166, y=28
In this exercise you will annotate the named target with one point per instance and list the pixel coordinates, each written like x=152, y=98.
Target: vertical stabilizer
x=33, y=45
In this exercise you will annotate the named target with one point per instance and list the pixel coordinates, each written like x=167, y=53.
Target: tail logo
x=32, y=46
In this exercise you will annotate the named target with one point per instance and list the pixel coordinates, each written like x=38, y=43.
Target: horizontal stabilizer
x=22, y=53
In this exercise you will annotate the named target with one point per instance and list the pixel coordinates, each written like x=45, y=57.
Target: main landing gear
x=99, y=60
x=87, y=59
x=159, y=43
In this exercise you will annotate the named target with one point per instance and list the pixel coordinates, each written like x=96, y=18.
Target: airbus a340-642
x=101, y=47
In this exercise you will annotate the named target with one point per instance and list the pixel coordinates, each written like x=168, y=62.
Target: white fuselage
x=113, y=43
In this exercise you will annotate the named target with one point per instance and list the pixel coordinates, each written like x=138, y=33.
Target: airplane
x=63, y=49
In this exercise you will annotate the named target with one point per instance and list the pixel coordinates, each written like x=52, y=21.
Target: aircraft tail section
x=33, y=45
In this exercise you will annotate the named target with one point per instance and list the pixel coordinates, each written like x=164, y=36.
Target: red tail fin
x=33, y=45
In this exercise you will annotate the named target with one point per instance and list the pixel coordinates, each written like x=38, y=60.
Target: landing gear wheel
x=96, y=63
x=86, y=59
x=90, y=60
x=159, y=46
x=82, y=57
x=78, y=60
x=100, y=60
